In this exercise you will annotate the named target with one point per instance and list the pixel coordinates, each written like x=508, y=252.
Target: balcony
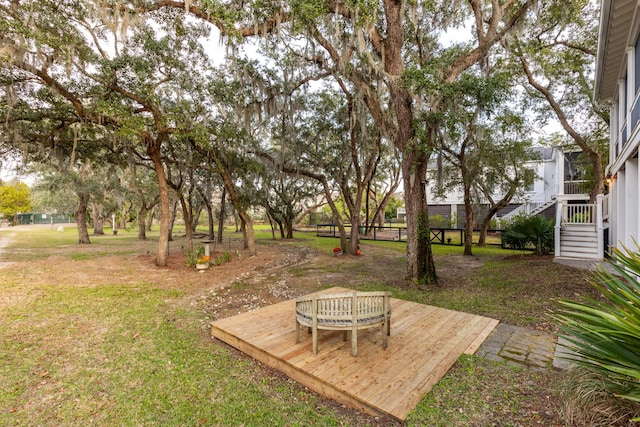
x=576, y=187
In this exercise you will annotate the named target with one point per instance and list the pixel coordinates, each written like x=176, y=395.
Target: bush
x=438, y=221
x=586, y=403
x=606, y=335
x=194, y=255
x=530, y=232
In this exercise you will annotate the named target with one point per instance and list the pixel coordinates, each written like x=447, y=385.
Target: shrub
x=438, y=221
x=194, y=255
x=606, y=335
x=225, y=257
x=584, y=402
x=530, y=232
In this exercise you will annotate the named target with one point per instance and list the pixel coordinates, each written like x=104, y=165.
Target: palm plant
x=530, y=232
x=605, y=336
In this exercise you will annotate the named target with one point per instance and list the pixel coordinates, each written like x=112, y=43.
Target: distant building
x=539, y=198
x=559, y=191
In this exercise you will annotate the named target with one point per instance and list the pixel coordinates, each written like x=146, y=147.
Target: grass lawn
x=97, y=335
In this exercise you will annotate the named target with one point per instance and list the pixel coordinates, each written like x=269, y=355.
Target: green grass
x=133, y=354
x=126, y=354
x=476, y=390
x=122, y=355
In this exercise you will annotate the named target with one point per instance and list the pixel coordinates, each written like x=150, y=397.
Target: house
x=558, y=174
x=618, y=82
x=559, y=191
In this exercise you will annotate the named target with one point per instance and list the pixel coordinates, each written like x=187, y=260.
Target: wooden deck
x=425, y=342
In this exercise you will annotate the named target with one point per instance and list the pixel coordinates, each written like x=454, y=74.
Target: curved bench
x=349, y=311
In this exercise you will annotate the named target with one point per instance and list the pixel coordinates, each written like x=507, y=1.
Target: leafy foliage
x=14, y=199
x=530, y=232
x=193, y=255
x=606, y=335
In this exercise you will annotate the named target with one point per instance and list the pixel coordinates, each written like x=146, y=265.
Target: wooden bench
x=349, y=311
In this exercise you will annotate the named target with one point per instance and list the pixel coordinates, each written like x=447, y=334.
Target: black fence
x=438, y=236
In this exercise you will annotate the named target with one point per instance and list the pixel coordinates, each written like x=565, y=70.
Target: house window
x=572, y=169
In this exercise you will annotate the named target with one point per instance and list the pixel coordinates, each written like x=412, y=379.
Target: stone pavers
x=520, y=347
x=527, y=347
x=562, y=352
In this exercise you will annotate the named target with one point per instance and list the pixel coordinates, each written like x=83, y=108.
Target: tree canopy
x=339, y=98
x=14, y=199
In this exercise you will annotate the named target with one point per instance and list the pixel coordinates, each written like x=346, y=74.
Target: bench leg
x=385, y=330
x=297, y=332
x=314, y=337
x=354, y=342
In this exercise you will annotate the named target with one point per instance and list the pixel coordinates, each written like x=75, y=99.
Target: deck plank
x=425, y=342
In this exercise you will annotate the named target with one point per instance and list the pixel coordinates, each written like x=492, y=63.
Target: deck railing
x=579, y=214
x=576, y=187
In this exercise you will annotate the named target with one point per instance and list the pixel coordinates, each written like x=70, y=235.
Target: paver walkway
x=536, y=350
x=526, y=347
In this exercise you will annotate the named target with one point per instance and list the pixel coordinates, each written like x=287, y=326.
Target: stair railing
x=532, y=205
x=583, y=214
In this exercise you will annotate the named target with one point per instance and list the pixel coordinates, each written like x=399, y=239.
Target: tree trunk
x=123, y=216
x=289, y=228
x=484, y=230
x=210, y=222
x=468, y=214
x=248, y=235
x=598, y=174
x=142, y=226
x=81, y=219
x=247, y=231
x=187, y=215
x=272, y=226
x=153, y=149
x=195, y=218
x=420, y=265
x=221, y=217
x=493, y=210
x=367, y=214
x=149, y=216
x=98, y=219
x=172, y=221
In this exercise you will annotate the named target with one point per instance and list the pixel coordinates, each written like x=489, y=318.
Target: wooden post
x=386, y=326
x=354, y=324
x=314, y=327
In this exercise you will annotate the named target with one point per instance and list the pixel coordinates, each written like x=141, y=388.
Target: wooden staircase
x=579, y=241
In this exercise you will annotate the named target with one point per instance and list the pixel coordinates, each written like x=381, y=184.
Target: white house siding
x=618, y=81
